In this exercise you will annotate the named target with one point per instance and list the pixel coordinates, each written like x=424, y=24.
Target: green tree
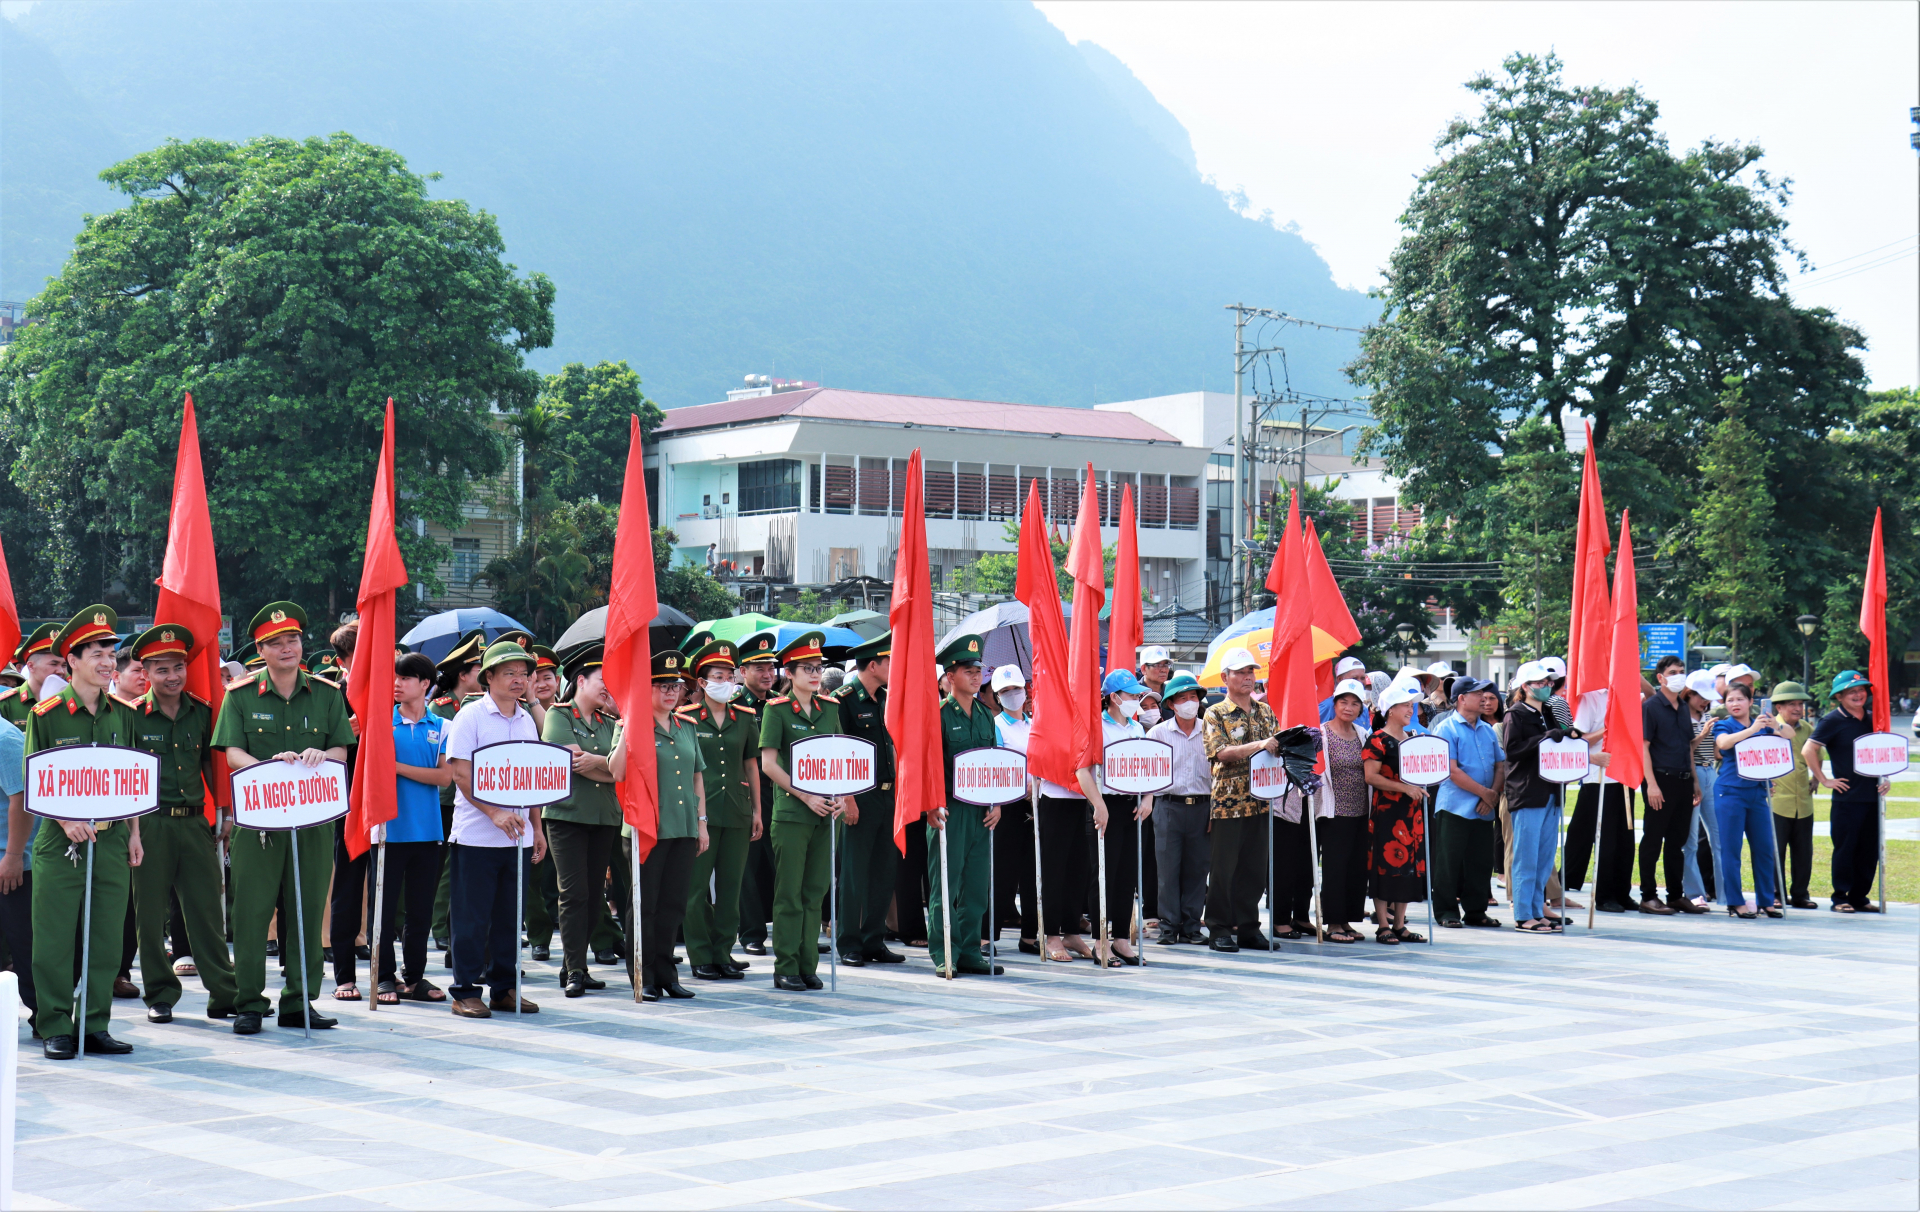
x=686, y=586
x=998, y=572
x=589, y=405
x=811, y=608
x=1733, y=525
x=292, y=287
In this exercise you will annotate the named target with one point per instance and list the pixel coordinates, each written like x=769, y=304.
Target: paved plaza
x=1659, y=1063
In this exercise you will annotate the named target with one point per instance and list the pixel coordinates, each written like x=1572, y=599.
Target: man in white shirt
x=1180, y=839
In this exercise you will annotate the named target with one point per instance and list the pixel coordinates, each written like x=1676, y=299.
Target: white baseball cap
x=1700, y=681
x=1532, y=671
x=1238, y=658
x=1153, y=654
x=1736, y=672
x=1005, y=676
x=1353, y=688
x=1348, y=665
x=1397, y=694
x=1554, y=666
x=1718, y=670
x=1440, y=669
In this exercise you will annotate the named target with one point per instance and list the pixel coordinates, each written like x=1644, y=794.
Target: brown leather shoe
x=1653, y=905
x=471, y=1007
x=504, y=1005
x=1683, y=905
x=122, y=987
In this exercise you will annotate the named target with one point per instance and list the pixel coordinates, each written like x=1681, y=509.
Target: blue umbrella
x=838, y=639
x=435, y=634
x=1241, y=626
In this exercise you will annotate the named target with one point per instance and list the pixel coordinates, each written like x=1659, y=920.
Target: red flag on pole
x=1331, y=617
x=1589, y=655
x=1873, y=625
x=375, y=799
x=9, y=613
x=1290, y=687
x=913, y=696
x=632, y=603
x=1088, y=568
x=1050, y=749
x=189, y=584
x=1624, y=731
x=1124, y=624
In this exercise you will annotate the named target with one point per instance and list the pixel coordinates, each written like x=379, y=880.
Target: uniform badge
x=99, y=620
x=166, y=637
x=278, y=616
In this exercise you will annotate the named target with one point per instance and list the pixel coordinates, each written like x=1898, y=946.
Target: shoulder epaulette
x=748, y=710
x=445, y=700
x=237, y=683
x=776, y=702
x=46, y=705
x=689, y=712
x=10, y=691
x=324, y=681
x=124, y=702
x=196, y=698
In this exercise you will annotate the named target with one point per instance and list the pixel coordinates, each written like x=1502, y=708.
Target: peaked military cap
x=875, y=648
x=277, y=618
x=518, y=635
x=760, y=646
x=671, y=665
x=808, y=645
x=163, y=639
x=713, y=652
x=543, y=657
x=963, y=650
x=40, y=639
x=467, y=650
x=93, y=623
x=584, y=658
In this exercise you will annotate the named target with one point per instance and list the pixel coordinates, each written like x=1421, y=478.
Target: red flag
x=1124, y=625
x=1089, y=572
x=1873, y=625
x=1331, y=617
x=189, y=584
x=375, y=798
x=1589, y=655
x=1290, y=687
x=1624, y=732
x=1050, y=750
x=9, y=613
x=632, y=603
x=913, y=696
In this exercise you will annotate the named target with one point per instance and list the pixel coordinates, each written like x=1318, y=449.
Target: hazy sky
x=1324, y=113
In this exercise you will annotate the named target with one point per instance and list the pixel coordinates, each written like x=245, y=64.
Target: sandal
x=1842, y=907
x=1083, y=950
x=346, y=993
x=1741, y=911
x=1409, y=936
x=1385, y=937
x=423, y=991
x=387, y=993
x=1538, y=925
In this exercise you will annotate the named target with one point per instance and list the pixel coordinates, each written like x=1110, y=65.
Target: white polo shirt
x=479, y=724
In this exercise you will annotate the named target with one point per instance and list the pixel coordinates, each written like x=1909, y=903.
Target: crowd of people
x=744, y=863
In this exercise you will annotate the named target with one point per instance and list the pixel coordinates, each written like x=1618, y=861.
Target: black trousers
x=1856, y=853
x=1463, y=850
x=130, y=944
x=1343, y=868
x=1664, y=832
x=1064, y=854
x=16, y=922
x=1183, y=850
x=1292, y=873
x=1122, y=847
x=1794, y=841
x=1613, y=881
x=581, y=855
x=1150, y=859
x=1237, y=861
x=412, y=873
x=1013, y=870
x=910, y=888
x=352, y=891
x=484, y=918
x=664, y=879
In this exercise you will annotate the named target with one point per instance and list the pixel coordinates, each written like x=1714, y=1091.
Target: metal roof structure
x=915, y=412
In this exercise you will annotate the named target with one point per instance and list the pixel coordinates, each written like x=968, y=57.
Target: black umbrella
x=668, y=628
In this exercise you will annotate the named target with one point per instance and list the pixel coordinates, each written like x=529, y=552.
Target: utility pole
x=1239, y=444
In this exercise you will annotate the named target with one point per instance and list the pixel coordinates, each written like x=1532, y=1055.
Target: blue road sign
x=1662, y=639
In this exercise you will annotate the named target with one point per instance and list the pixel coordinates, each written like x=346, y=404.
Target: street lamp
x=1808, y=624
x=1405, y=632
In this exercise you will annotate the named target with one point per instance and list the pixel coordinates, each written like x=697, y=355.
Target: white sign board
x=832, y=764
x=1269, y=776
x=994, y=775
x=1880, y=754
x=92, y=782
x=522, y=774
x=1137, y=766
x=1425, y=761
x=1563, y=761
x=289, y=795
x=1763, y=757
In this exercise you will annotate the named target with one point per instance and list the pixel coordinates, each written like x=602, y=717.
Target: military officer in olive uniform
x=965, y=723
x=83, y=713
x=869, y=860
x=182, y=849
x=802, y=867
x=759, y=657
x=289, y=715
x=37, y=660
x=583, y=830
x=729, y=739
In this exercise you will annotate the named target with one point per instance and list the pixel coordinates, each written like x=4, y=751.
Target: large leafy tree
x=1734, y=527
x=292, y=287
x=588, y=407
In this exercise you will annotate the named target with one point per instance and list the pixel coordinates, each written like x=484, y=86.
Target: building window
x=466, y=561
x=771, y=486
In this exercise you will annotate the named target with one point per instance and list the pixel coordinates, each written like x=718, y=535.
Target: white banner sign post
x=989, y=776
x=1138, y=766
x=1763, y=757
x=834, y=764
x=1880, y=755
x=285, y=797
x=1267, y=777
x=1564, y=761
x=522, y=775
x=1426, y=761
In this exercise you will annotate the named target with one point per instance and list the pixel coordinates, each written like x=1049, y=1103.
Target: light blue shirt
x=417, y=744
x=13, y=781
x=1476, y=747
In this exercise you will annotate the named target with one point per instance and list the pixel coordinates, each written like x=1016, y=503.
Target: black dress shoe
x=676, y=990
x=58, y=1047
x=987, y=969
x=1171, y=938
x=160, y=1013
x=247, y=1022
x=1612, y=907
x=273, y=948
x=1804, y=903
x=824, y=948
x=813, y=982
x=649, y=993
x=853, y=961
x=1029, y=946
x=707, y=972
x=363, y=951
x=318, y=1021
x=326, y=955
x=884, y=956
x=220, y=1012
x=754, y=948
x=736, y=965
x=590, y=980
x=792, y=984
x=1221, y=942
x=575, y=986
x=1253, y=942
x=542, y=954
x=606, y=959
x=99, y=1043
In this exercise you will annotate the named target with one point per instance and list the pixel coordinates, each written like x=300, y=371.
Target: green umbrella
x=869, y=623
x=737, y=628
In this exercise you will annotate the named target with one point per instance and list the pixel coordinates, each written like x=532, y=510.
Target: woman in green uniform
x=801, y=855
x=583, y=830
x=729, y=738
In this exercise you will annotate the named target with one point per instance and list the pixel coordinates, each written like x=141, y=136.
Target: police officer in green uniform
x=37, y=660
x=182, y=849
x=802, y=870
x=869, y=860
x=759, y=657
x=583, y=830
x=459, y=684
x=81, y=714
x=729, y=738
x=288, y=714
x=965, y=723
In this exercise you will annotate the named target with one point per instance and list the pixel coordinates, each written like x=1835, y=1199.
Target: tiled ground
x=1660, y=1063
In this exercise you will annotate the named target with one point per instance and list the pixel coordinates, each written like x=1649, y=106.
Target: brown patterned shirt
x=1227, y=725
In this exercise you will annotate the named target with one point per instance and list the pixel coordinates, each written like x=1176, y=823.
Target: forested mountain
x=938, y=198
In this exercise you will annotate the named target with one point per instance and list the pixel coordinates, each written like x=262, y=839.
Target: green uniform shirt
x=1793, y=793
x=781, y=724
x=592, y=803
x=180, y=742
x=678, y=756
x=263, y=724
x=865, y=716
x=729, y=739
x=15, y=703
x=61, y=720
x=961, y=731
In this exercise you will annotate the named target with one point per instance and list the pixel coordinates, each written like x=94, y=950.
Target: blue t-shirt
x=1730, y=781
x=418, y=744
x=13, y=781
x=1477, y=748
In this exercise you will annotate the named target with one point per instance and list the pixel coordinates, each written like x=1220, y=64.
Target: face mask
x=1011, y=701
x=1150, y=715
x=1676, y=682
x=1186, y=710
x=722, y=692
x=1540, y=694
x=1129, y=707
